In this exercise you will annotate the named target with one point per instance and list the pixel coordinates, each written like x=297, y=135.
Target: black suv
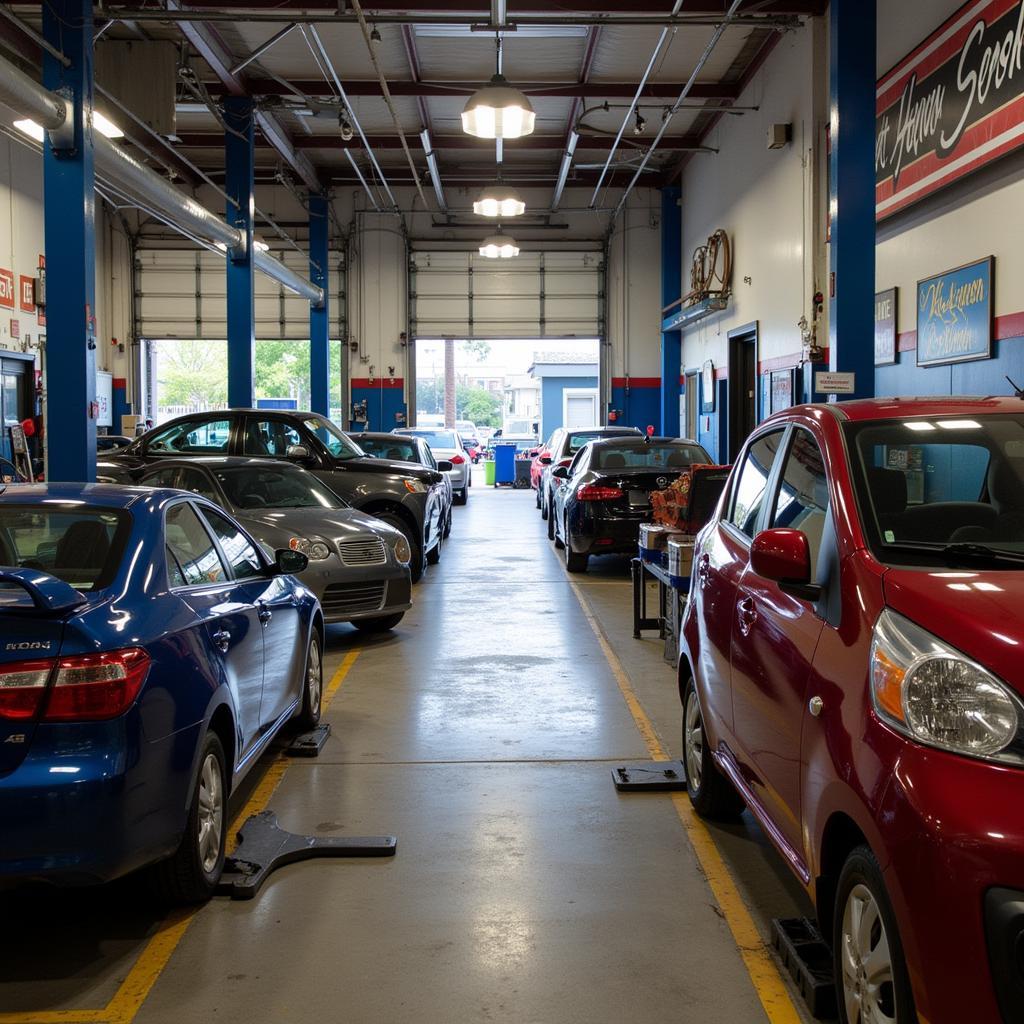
x=411, y=498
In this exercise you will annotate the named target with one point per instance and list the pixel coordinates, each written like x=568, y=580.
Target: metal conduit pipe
x=30, y=99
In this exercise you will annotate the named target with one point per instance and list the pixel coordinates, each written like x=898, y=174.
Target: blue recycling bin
x=504, y=463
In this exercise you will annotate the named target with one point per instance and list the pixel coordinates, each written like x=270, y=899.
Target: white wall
x=766, y=200
x=980, y=216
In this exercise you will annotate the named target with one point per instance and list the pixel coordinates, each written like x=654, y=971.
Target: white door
x=580, y=408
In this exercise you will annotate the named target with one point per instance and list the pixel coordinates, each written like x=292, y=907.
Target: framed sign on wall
x=953, y=105
x=954, y=315
x=707, y=387
x=885, y=327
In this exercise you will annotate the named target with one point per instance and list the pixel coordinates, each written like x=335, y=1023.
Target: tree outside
x=476, y=404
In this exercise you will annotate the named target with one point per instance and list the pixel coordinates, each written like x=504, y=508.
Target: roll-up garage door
x=182, y=294
x=534, y=295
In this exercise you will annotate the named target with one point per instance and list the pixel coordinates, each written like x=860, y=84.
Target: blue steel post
x=238, y=164
x=319, y=349
x=853, y=28
x=70, y=239
x=671, y=291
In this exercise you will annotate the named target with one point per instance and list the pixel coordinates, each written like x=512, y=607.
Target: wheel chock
x=309, y=744
x=808, y=959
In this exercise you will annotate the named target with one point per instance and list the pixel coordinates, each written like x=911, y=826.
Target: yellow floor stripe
x=763, y=971
x=135, y=988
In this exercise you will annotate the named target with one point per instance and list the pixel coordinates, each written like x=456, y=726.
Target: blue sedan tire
x=312, y=686
x=192, y=872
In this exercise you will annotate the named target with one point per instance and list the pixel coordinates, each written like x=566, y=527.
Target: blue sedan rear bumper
x=79, y=809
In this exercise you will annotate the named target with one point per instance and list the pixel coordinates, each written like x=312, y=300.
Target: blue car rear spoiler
x=49, y=594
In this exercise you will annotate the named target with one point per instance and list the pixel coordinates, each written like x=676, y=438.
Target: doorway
x=16, y=380
x=689, y=421
x=580, y=408
x=742, y=417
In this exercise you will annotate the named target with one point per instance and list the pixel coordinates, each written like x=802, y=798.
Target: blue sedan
x=149, y=653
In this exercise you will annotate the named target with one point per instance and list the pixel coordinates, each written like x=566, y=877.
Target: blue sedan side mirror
x=289, y=562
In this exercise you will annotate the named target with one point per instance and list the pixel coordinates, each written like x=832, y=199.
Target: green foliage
x=476, y=404
x=480, y=350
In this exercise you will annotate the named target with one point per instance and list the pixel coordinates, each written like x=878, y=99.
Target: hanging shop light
x=499, y=201
x=499, y=247
x=498, y=110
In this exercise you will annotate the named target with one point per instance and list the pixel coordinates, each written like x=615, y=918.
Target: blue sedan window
x=192, y=549
x=245, y=563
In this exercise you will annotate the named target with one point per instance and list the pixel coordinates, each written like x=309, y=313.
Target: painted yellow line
x=762, y=968
x=135, y=988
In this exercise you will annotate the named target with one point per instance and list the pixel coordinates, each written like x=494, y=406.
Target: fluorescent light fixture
x=499, y=201
x=498, y=111
x=31, y=129
x=499, y=247
x=105, y=126
x=521, y=31
x=920, y=426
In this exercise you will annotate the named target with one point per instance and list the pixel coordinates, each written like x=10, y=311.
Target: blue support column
x=671, y=291
x=70, y=238
x=853, y=28
x=238, y=183
x=319, y=349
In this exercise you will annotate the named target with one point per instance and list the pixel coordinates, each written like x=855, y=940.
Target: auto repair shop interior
x=511, y=511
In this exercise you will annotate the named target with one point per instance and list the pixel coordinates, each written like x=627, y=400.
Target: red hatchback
x=852, y=670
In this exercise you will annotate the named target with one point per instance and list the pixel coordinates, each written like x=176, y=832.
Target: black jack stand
x=263, y=847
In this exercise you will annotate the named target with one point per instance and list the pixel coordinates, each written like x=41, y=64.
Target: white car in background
x=447, y=445
x=466, y=428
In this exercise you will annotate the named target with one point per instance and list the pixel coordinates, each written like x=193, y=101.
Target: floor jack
x=263, y=846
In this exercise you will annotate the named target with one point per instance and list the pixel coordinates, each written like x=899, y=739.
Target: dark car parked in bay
x=358, y=565
x=604, y=494
x=408, y=497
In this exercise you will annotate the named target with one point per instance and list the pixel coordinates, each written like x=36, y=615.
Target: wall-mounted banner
x=953, y=105
x=954, y=315
x=885, y=328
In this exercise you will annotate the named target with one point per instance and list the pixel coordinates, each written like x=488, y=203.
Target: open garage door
x=534, y=295
x=182, y=294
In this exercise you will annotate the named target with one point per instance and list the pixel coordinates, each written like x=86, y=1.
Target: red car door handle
x=747, y=615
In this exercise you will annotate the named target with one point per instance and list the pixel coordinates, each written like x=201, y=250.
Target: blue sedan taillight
x=88, y=687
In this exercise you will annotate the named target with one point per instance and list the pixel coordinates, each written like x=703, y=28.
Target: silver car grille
x=349, y=598
x=363, y=552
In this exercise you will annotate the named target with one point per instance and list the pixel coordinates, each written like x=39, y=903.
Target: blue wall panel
x=640, y=405
x=983, y=377
x=382, y=405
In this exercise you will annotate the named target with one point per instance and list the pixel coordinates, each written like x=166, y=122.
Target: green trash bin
x=489, y=472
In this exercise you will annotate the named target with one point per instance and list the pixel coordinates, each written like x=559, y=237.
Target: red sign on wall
x=952, y=106
x=26, y=294
x=6, y=289
x=41, y=315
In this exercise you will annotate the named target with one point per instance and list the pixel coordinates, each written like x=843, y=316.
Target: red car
x=851, y=670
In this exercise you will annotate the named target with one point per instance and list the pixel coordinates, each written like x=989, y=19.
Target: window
x=577, y=464
x=193, y=437
x=395, y=448
x=438, y=438
x=164, y=477
x=192, y=549
x=196, y=481
x=249, y=487
x=665, y=457
x=752, y=482
x=802, y=503
x=269, y=438
x=80, y=546
x=245, y=562
x=338, y=444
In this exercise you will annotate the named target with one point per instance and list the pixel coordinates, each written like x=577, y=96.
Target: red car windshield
x=932, y=483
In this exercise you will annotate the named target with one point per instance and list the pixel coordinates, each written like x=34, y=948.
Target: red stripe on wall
x=1006, y=328
x=120, y=382
x=636, y=382
x=377, y=382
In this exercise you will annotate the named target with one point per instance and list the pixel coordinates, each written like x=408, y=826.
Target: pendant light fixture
x=499, y=247
x=498, y=111
x=499, y=201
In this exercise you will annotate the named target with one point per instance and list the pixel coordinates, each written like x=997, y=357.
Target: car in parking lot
x=410, y=498
x=397, y=448
x=850, y=670
x=560, y=450
x=447, y=446
x=358, y=566
x=604, y=494
x=151, y=653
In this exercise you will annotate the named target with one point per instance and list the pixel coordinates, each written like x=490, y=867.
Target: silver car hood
x=340, y=524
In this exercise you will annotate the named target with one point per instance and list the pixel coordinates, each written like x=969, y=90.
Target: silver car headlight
x=316, y=549
x=403, y=552
x=932, y=693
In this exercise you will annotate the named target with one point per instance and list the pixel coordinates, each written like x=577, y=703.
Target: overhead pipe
x=128, y=175
x=704, y=57
x=636, y=99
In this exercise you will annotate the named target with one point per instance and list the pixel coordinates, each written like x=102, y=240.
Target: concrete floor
x=525, y=889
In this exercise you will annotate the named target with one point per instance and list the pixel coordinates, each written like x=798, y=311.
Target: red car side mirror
x=784, y=556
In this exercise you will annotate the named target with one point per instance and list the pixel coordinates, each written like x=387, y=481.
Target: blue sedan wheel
x=313, y=690
x=192, y=873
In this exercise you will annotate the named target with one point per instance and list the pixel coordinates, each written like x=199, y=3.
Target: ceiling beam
x=581, y=90
x=211, y=48
x=215, y=140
